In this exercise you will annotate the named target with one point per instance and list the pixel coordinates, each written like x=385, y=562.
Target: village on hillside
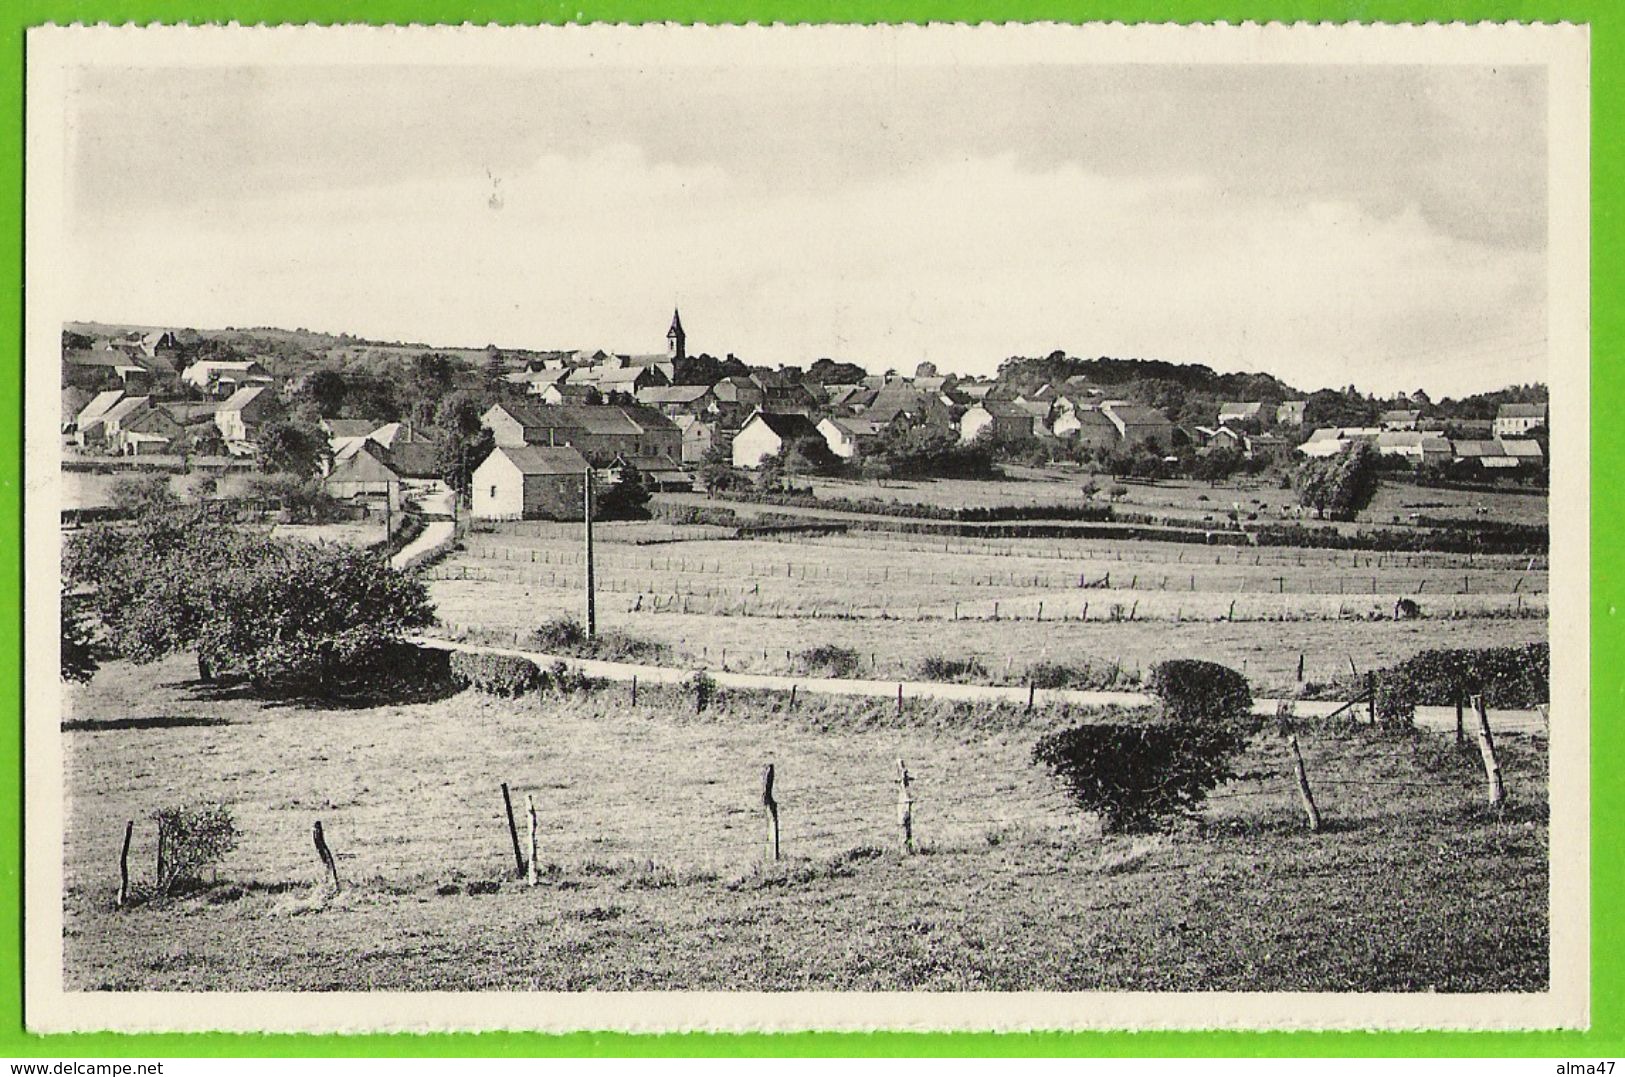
x=379, y=427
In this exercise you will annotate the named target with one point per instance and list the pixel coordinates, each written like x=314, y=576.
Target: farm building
x=1086, y=426
x=1414, y=445
x=658, y=473
x=1138, y=425
x=565, y=392
x=221, y=378
x=675, y=400
x=243, y=412
x=106, y=369
x=364, y=473
x=767, y=433
x=1291, y=412
x=698, y=437
x=530, y=482
x=600, y=432
x=147, y=432
x=1240, y=412
x=1006, y=419
x=1399, y=419
x=1514, y=419
x=1331, y=440
x=846, y=437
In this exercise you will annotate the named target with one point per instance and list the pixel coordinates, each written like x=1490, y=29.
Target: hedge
x=1507, y=677
x=495, y=674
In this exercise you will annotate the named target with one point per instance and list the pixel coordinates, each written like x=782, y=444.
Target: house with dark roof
x=364, y=473
x=1006, y=420
x=766, y=434
x=1235, y=411
x=530, y=482
x=675, y=400
x=600, y=432
x=1139, y=425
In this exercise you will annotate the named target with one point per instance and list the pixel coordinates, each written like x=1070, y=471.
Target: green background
x=1607, y=20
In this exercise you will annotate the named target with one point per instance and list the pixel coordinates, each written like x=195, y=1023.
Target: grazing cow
x=1406, y=610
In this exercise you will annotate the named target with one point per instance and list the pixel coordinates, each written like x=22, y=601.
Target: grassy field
x=899, y=599
x=1189, y=499
x=652, y=857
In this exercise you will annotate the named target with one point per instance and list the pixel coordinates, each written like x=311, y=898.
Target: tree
x=458, y=455
x=1342, y=484
x=293, y=448
x=627, y=499
x=275, y=610
x=142, y=493
x=494, y=370
x=717, y=468
x=1215, y=466
x=328, y=390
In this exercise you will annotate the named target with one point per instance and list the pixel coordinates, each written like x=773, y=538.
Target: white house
x=239, y=416
x=1514, y=419
x=846, y=437
x=221, y=378
x=530, y=482
x=768, y=432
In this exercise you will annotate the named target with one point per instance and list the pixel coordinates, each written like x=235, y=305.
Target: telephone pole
x=592, y=609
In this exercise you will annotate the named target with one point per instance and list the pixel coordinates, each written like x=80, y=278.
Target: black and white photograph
x=941, y=527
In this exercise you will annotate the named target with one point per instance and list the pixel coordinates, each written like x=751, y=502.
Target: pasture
x=753, y=604
x=1190, y=499
x=651, y=853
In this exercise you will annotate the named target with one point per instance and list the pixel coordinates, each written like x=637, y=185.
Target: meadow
x=651, y=858
x=754, y=604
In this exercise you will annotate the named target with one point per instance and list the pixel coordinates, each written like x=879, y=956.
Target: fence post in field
x=1085, y=616
x=325, y=853
x=771, y=848
x=905, y=807
x=530, y=817
x=513, y=832
x=124, y=864
x=995, y=611
x=1040, y=611
x=1371, y=695
x=1486, y=749
x=1231, y=616
x=899, y=700
x=158, y=882
x=1460, y=731
x=1302, y=776
x=1300, y=667
x=1031, y=691
x=792, y=697
x=634, y=689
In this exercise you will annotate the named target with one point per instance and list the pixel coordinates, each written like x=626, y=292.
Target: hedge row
x=1507, y=677
x=495, y=674
x=910, y=510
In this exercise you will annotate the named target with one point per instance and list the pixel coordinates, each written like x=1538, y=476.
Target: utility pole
x=592, y=609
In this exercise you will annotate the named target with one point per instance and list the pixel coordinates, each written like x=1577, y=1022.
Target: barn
x=530, y=482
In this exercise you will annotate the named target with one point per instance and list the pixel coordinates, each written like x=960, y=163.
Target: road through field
x=1441, y=719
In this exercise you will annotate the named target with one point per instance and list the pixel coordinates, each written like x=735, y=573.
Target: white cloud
x=963, y=262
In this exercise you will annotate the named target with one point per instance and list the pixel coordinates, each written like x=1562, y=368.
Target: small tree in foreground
x=191, y=840
x=1141, y=776
x=1341, y=485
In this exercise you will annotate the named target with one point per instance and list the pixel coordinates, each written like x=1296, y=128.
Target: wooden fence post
x=905, y=807
x=1302, y=776
x=634, y=689
x=772, y=806
x=124, y=864
x=1486, y=749
x=1031, y=688
x=1371, y=695
x=530, y=817
x=325, y=853
x=1460, y=730
x=1300, y=667
x=513, y=832
x=899, y=700
x=792, y=697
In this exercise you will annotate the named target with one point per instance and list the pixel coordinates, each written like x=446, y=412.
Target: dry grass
x=651, y=856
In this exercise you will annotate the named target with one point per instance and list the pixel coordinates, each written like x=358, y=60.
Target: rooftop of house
x=786, y=424
x=544, y=459
x=1521, y=411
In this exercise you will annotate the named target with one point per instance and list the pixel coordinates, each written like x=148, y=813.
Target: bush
x=564, y=635
x=703, y=687
x=1504, y=676
x=495, y=674
x=1138, y=777
x=939, y=668
x=1202, y=693
x=829, y=660
x=191, y=840
x=1081, y=675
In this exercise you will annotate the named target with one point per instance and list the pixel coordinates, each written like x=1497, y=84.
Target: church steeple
x=676, y=339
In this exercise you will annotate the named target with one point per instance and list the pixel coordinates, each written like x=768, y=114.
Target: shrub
x=1083, y=675
x=937, y=667
x=190, y=840
x=564, y=635
x=703, y=687
x=1138, y=777
x=1504, y=676
x=495, y=674
x=1201, y=693
x=829, y=660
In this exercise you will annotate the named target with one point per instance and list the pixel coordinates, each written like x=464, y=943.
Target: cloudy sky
x=1377, y=225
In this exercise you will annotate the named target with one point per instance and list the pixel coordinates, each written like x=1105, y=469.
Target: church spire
x=676, y=339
